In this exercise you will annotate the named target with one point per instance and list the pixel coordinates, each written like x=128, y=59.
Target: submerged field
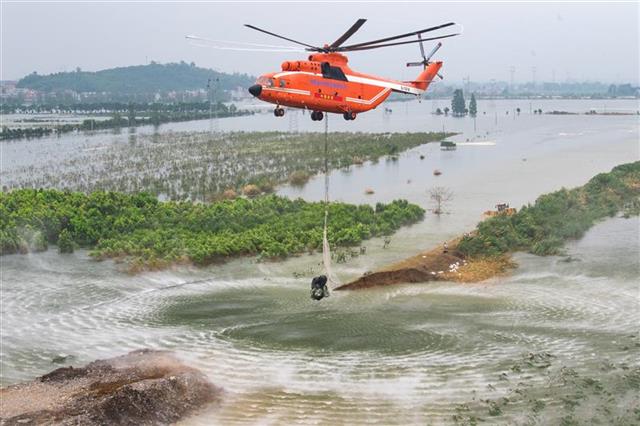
x=201, y=166
x=553, y=342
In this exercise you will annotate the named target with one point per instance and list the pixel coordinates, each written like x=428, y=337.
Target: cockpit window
x=334, y=73
x=282, y=83
x=265, y=81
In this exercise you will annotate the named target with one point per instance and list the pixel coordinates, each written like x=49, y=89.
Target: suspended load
x=319, y=289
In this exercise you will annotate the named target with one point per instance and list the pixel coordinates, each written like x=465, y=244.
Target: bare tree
x=440, y=197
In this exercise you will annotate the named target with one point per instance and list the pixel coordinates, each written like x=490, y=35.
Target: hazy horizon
x=564, y=42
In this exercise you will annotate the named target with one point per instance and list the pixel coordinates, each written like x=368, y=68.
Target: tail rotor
x=425, y=58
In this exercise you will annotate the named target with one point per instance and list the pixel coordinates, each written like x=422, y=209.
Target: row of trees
x=458, y=105
x=543, y=228
x=101, y=108
x=155, y=115
x=150, y=233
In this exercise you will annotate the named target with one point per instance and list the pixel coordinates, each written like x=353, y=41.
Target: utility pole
x=466, y=82
x=293, y=121
x=533, y=75
x=512, y=71
x=215, y=99
x=211, y=89
x=209, y=97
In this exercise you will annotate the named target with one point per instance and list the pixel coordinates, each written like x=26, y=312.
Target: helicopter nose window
x=270, y=82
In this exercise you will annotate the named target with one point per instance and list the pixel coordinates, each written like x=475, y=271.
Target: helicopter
x=324, y=83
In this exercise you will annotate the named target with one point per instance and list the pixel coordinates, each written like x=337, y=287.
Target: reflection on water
x=558, y=338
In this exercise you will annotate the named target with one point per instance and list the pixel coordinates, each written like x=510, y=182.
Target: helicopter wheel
x=278, y=112
x=349, y=115
x=317, y=116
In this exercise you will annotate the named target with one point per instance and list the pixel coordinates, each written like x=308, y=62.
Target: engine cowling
x=308, y=66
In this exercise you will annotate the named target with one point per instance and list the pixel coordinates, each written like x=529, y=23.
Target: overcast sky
x=576, y=41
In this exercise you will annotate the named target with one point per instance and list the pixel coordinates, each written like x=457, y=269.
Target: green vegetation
x=202, y=166
x=134, y=80
x=7, y=133
x=543, y=228
x=127, y=109
x=473, y=106
x=65, y=242
x=146, y=114
x=150, y=234
x=458, y=106
x=299, y=178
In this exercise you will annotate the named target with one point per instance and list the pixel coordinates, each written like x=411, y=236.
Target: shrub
x=299, y=178
x=251, y=190
x=229, y=194
x=65, y=242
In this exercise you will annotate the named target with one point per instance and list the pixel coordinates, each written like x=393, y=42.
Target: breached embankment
x=434, y=265
x=142, y=387
x=540, y=229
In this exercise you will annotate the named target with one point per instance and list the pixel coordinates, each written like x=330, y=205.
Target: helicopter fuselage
x=325, y=83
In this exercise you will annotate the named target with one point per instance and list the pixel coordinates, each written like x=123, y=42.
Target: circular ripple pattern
x=401, y=355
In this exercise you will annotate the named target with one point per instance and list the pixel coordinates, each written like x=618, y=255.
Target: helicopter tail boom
x=426, y=77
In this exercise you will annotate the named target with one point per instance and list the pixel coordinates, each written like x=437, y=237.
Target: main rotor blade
x=382, y=40
x=242, y=43
x=355, y=27
x=198, y=43
x=248, y=49
x=354, y=49
x=282, y=37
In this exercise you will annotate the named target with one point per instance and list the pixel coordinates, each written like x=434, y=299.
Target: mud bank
x=436, y=264
x=142, y=387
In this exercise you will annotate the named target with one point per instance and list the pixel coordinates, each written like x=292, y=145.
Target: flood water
x=558, y=337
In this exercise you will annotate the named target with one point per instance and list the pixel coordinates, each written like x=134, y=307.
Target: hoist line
x=326, y=250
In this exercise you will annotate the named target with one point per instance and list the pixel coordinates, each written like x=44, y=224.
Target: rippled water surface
x=556, y=340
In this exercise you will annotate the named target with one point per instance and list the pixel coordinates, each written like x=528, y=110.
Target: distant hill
x=138, y=79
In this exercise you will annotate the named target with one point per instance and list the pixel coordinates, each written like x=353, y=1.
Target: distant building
x=240, y=93
x=8, y=87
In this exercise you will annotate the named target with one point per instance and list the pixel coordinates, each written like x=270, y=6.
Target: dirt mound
x=434, y=265
x=142, y=387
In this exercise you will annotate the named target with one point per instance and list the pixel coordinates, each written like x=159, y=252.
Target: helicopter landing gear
x=278, y=112
x=317, y=115
x=350, y=115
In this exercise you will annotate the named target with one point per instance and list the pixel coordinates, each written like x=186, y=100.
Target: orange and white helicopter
x=325, y=83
